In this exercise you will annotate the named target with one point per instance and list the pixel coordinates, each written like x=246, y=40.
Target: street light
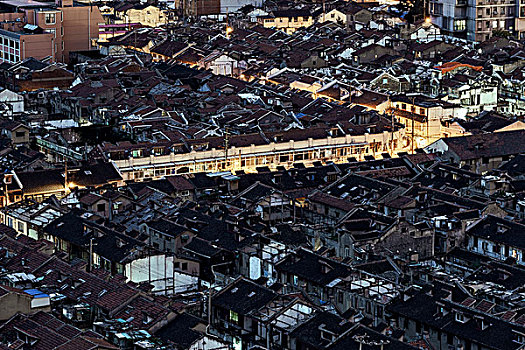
x=229, y=30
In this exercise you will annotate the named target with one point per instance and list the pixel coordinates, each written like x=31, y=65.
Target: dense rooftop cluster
x=279, y=175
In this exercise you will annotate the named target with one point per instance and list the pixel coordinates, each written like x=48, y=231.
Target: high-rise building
x=73, y=27
x=475, y=20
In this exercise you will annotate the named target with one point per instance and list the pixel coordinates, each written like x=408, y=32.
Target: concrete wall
x=13, y=303
x=80, y=28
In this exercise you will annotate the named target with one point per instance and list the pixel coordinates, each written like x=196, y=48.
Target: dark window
x=50, y=18
x=101, y=207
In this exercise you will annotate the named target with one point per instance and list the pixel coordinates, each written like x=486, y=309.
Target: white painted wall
x=14, y=100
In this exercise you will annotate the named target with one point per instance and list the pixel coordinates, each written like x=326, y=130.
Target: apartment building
x=248, y=152
x=287, y=20
x=475, y=20
x=15, y=46
x=62, y=27
x=423, y=117
x=201, y=7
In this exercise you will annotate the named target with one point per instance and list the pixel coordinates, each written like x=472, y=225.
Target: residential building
x=474, y=20
x=287, y=20
x=480, y=153
x=66, y=27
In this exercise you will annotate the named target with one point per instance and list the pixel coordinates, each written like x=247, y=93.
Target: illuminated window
x=460, y=25
x=234, y=317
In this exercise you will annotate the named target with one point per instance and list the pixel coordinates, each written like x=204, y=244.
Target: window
x=185, y=266
x=460, y=25
x=234, y=317
x=460, y=317
x=101, y=207
x=20, y=226
x=52, y=31
x=20, y=134
x=50, y=18
x=294, y=280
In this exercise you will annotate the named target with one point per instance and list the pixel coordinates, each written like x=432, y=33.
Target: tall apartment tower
x=73, y=27
x=476, y=20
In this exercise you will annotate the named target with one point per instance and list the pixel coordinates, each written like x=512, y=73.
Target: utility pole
x=428, y=136
x=6, y=182
x=413, y=109
x=392, y=134
x=90, y=266
x=66, y=185
x=226, y=145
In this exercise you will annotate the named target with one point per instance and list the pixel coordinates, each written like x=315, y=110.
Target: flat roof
x=22, y=3
x=14, y=35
